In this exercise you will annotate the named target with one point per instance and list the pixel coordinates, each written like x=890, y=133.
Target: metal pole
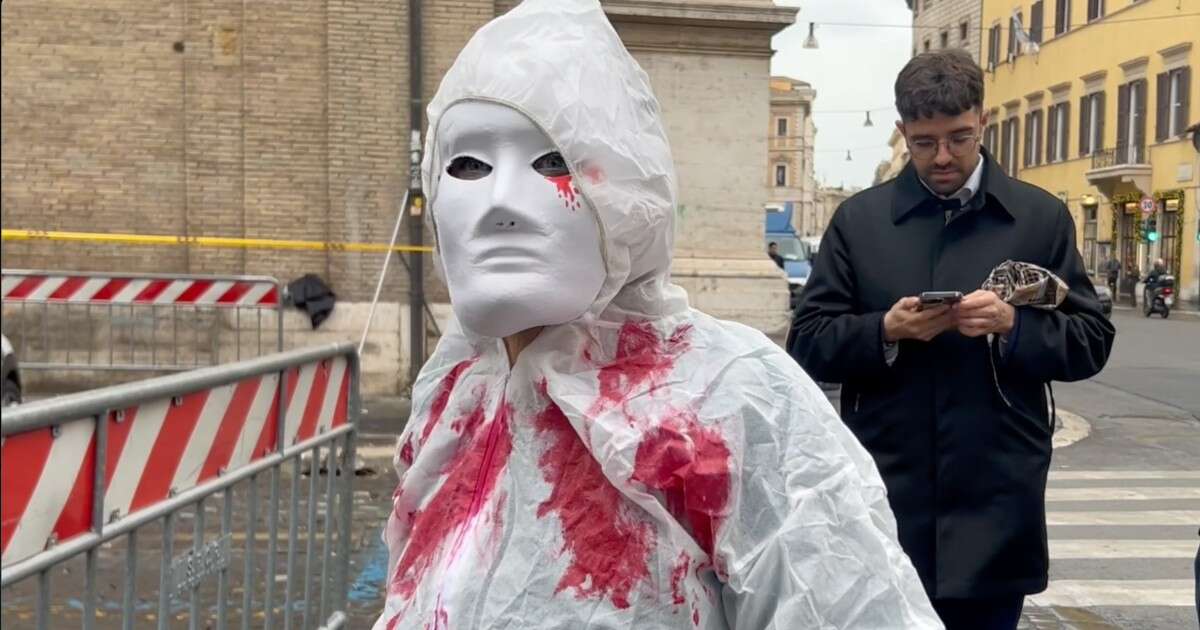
x=416, y=201
x=387, y=259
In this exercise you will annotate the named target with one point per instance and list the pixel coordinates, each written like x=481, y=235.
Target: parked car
x=1106, y=299
x=11, y=374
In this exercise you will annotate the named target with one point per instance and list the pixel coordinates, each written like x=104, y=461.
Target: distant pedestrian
x=1112, y=273
x=951, y=400
x=773, y=252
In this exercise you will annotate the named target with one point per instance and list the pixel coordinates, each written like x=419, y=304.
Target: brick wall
x=278, y=119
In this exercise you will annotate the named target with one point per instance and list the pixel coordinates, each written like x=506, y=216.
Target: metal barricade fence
x=107, y=477
x=139, y=322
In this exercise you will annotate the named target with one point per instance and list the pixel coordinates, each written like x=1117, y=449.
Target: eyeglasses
x=958, y=146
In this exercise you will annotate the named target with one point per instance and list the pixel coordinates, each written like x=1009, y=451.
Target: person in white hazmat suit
x=585, y=450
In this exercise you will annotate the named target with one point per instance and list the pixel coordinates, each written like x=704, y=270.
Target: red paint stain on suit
x=689, y=464
x=470, y=479
x=678, y=574
x=643, y=356
x=406, y=452
x=442, y=398
x=608, y=548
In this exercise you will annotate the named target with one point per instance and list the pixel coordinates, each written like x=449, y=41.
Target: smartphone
x=940, y=298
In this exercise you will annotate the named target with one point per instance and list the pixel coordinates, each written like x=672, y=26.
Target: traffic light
x=1151, y=229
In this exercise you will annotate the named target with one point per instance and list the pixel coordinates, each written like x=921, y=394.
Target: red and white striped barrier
x=155, y=450
x=99, y=289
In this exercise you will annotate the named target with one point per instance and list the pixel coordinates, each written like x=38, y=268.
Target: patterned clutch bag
x=1026, y=284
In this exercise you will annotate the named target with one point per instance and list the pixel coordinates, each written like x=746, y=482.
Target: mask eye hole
x=468, y=168
x=551, y=165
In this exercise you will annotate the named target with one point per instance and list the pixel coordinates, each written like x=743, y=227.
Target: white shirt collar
x=968, y=190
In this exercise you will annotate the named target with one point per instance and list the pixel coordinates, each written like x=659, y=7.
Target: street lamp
x=811, y=41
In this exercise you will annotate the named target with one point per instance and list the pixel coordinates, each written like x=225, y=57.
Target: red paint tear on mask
x=695, y=616
x=642, y=356
x=690, y=465
x=566, y=190
x=678, y=574
x=608, y=548
x=470, y=479
x=442, y=397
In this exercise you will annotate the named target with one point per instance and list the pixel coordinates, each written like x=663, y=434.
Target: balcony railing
x=1122, y=155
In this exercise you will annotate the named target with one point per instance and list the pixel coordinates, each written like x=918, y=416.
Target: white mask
x=520, y=247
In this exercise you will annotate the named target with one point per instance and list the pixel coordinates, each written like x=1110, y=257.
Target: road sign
x=1147, y=205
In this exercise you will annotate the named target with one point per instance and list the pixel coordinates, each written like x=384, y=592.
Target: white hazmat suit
x=642, y=465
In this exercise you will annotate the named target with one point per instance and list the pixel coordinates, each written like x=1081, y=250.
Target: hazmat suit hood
x=564, y=67
x=642, y=466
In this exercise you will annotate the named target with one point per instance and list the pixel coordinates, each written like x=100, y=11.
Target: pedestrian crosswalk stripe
x=1065, y=475
x=1122, y=494
x=1085, y=593
x=1146, y=517
x=1076, y=549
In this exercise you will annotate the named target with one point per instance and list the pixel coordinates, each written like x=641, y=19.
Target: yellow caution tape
x=204, y=241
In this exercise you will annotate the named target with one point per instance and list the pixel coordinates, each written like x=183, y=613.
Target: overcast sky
x=854, y=68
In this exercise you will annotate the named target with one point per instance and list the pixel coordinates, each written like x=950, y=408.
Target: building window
x=1091, y=123
x=1131, y=122
x=945, y=39
x=1009, y=145
x=781, y=127
x=1089, y=238
x=1036, y=22
x=1062, y=17
x=993, y=46
x=1012, y=38
x=962, y=31
x=1033, y=138
x=989, y=139
x=780, y=175
x=927, y=45
x=1170, y=231
x=1172, y=104
x=1058, y=125
x=1095, y=9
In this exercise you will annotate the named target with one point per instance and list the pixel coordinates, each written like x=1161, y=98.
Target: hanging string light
x=868, y=122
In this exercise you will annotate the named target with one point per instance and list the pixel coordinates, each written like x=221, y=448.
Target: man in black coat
x=952, y=400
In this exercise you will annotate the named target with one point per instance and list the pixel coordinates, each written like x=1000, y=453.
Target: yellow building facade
x=1096, y=108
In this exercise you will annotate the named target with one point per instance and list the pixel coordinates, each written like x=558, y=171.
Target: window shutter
x=1139, y=127
x=1037, y=137
x=1162, y=106
x=1051, y=132
x=1016, y=133
x=1064, y=144
x=1012, y=42
x=1035, y=22
x=1025, y=157
x=1099, y=114
x=1085, y=115
x=1185, y=91
x=1123, y=117
x=1004, y=145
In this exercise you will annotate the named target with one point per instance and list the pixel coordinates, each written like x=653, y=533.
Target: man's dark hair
x=945, y=82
